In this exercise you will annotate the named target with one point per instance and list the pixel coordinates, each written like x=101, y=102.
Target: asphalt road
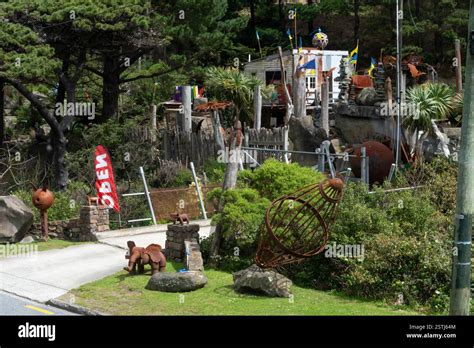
x=14, y=305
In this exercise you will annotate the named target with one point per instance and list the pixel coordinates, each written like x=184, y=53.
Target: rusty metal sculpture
x=297, y=225
x=380, y=161
x=181, y=217
x=43, y=199
x=139, y=256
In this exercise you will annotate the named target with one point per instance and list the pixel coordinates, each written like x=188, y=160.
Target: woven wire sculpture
x=297, y=225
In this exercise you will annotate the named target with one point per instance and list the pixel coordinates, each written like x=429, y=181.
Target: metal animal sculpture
x=182, y=218
x=297, y=225
x=139, y=256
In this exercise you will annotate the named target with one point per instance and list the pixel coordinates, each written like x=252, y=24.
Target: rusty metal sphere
x=297, y=225
x=380, y=161
x=43, y=198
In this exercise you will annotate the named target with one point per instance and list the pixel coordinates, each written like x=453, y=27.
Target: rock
x=193, y=261
x=176, y=282
x=15, y=219
x=305, y=137
x=367, y=97
x=267, y=282
x=27, y=240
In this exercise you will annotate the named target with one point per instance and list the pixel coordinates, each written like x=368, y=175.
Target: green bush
x=214, y=171
x=406, y=242
x=245, y=207
x=274, y=179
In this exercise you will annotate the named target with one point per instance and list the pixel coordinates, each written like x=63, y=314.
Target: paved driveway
x=49, y=274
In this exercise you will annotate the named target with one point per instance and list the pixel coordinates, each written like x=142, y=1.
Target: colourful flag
x=288, y=32
x=311, y=65
x=105, y=182
x=373, y=63
x=354, y=55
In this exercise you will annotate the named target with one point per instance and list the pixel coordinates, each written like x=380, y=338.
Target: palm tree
x=431, y=102
x=226, y=84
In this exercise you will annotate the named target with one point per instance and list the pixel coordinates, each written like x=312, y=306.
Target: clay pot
x=43, y=199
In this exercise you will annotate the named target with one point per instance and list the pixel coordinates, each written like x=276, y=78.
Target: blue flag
x=311, y=65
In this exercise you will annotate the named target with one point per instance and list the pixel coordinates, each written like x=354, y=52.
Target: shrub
x=274, y=179
x=171, y=174
x=214, y=171
x=245, y=207
x=406, y=243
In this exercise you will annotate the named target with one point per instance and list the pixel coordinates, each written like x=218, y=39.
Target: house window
x=311, y=82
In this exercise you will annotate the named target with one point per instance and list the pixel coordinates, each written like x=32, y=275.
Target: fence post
x=198, y=190
x=364, y=175
x=147, y=194
x=285, y=143
x=321, y=155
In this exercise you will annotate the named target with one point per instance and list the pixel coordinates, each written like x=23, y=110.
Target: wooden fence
x=185, y=147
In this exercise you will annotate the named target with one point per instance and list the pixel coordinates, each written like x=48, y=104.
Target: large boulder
x=15, y=219
x=305, y=137
x=177, y=282
x=260, y=281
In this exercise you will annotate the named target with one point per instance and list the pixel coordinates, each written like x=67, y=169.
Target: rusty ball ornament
x=380, y=161
x=43, y=199
x=297, y=225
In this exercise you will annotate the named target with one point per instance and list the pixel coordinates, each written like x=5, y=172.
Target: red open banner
x=105, y=182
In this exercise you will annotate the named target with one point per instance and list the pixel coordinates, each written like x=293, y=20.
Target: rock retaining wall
x=91, y=219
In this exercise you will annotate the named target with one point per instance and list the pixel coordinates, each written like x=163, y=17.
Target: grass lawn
x=121, y=294
x=56, y=244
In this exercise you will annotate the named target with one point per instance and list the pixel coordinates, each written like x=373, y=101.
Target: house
x=268, y=70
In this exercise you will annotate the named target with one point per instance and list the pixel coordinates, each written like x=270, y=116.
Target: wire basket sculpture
x=297, y=225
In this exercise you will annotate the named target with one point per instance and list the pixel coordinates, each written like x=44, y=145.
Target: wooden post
x=289, y=102
x=186, y=123
x=216, y=126
x=457, y=48
x=257, y=107
x=325, y=107
x=299, y=93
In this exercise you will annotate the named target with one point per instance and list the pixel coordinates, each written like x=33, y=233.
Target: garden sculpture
x=297, y=225
x=43, y=199
x=182, y=218
x=139, y=256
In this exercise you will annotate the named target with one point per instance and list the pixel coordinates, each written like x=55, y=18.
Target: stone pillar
x=175, y=237
x=92, y=219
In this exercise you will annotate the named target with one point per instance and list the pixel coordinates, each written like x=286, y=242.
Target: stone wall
x=175, y=237
x=91, y=219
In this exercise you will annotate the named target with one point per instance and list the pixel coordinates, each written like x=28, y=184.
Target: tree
x=234, y=86
x=26, y=61
x=431, y=102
